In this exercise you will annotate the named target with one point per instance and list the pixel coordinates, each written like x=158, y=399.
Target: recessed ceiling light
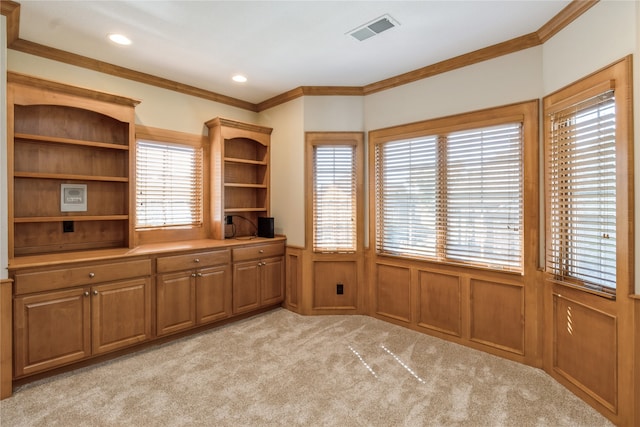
x=120, y=39
x=239, y=78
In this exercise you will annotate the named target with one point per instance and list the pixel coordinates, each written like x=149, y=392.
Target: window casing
x=168, y=185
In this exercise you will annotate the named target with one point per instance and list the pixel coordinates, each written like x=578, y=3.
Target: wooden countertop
x=138, y=251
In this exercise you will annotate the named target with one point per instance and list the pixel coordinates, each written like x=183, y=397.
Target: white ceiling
x=278, y=45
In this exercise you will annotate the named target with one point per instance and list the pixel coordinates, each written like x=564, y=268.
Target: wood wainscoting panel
x=585, y=349
x=497, y=315
x=440, y=302
x=327, y=277
x=293, y=278
x=393, y=292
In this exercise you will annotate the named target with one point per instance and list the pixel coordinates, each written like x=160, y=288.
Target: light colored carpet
x=282, y=369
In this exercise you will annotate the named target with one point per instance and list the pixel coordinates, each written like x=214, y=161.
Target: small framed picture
x=73, y=197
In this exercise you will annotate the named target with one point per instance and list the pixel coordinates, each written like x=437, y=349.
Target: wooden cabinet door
x=272, y=282
x=120, y=314
x=213, y=294
x=176, y=302
x=246, y=286
x=51, y=329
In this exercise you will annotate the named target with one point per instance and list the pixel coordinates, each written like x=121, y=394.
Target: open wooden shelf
x=57, y=135
x=69, y=177
x=53, y=139
x=240, y=158
x=245, y=161
x=23, y=220
x=236, y=185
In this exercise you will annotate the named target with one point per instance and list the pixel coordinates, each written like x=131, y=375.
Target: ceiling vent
x=374, y=27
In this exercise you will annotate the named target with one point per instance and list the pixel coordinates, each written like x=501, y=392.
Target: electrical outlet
x=67, y=226
x=339, y=289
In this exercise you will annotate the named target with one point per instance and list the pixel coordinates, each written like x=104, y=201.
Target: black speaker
x=265, y=227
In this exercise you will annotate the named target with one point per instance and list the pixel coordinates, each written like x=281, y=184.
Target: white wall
x=333, y=114
x=606, y=33
x=287, y=169
x=636, y=110
x=290, y=121
x=505, y=80
x=159, y=107
x=4, y=244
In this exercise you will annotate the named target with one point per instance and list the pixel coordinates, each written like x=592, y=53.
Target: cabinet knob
x=199, y=274
x=95, y=292
x=196, y=260
x=86, y=293
x=261, y=251
x=193, y=274
x=92, y=275
x=260, y=264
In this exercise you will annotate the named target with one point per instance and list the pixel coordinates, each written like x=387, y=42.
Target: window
x=584, y=178
x=334, y=183
x=453, y=197
x=334, y=205
x=454, y=190
x=168, y=185
x=406, y=191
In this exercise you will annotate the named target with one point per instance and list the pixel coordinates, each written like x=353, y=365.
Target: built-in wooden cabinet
x=192, y=289
x=63, y=136
x=240, y=157
x=258, y=276
x=65, y=315
x=73, y=307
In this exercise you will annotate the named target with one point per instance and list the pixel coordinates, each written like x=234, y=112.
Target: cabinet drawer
x=189, y=261
x=258, y=251
x=79, y=276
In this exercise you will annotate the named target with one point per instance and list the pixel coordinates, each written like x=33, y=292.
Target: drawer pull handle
x=95, y=292
x=196, y=260
x=92, y=275
x=86, y=293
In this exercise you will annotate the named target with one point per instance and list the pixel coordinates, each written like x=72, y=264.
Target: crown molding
x=480, y=55
x=11, y=10
x=125, y=73
x=567, y=15
x=310, y=91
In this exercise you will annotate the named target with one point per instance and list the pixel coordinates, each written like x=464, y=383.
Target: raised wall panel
x=393, y=292
x=585, y=348
x=326, y=275
x=440, y=302
x=497, y=315
x=293, y=279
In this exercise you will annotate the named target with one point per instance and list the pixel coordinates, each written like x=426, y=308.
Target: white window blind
x=455, y=197
x=334, y=198
x=484, y=196
x=582, y=176
x=168, y=185
x=406, y=178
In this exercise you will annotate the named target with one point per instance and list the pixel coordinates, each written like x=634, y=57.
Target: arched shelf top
x=46, y=92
